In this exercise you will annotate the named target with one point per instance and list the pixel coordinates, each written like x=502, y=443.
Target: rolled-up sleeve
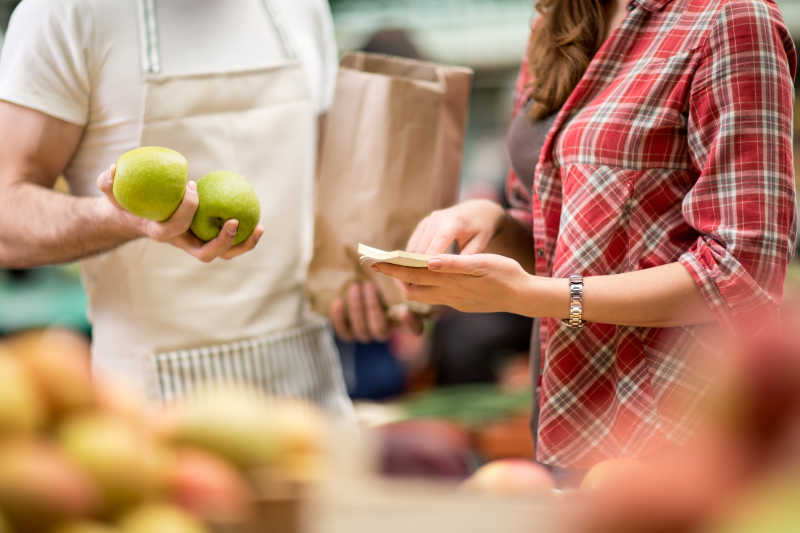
x=740, y=138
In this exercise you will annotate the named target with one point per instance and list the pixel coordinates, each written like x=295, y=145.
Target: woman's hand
x=471, y=224
x=482, y=283
x=175, y=230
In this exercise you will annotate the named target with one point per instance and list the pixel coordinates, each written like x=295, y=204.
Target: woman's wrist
x=543, y=297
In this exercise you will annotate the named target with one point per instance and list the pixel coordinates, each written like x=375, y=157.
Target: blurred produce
x=21, y=408
x=470, y=405
x=511, y=477
x=209, y=487
x=126, y=463
x=739, y=473
x=160, y=518
x=74, y=449
x=508, y=437
x=83, y=526
x=38, y=484
x=58, y=362
x=610, y=472
x=424, y=448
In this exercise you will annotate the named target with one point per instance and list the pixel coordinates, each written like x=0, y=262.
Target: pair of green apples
x=150, y=182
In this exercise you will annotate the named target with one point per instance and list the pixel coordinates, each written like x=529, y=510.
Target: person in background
x=653, y=193
x=239, y=85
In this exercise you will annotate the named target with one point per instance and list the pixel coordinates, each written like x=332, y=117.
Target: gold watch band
x=575, y=318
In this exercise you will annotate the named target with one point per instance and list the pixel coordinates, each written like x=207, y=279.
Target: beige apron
x=166, y=321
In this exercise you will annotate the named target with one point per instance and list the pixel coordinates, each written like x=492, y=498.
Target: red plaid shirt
x=675, y=146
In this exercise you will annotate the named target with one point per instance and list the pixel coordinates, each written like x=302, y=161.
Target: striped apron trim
x=302, y=362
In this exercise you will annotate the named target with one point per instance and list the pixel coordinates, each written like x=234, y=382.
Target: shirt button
x=540, y=252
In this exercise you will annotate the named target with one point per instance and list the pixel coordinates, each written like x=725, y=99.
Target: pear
x=38, y=485
x=160, y=518
x=21, y=408
x=125, y=462
x=150, y=181
x=225, y=195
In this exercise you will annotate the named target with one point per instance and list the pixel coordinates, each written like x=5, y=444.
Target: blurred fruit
x=127, y=464
x=38, y=484
x=510, y=437
x=233, y=422
x=83, y=526
x=21, y=408
x=160, y=518
x=59, y=362
x=301, y=431
x=609, y=472
x=150, y=181
x=118, y=398
x=209, y=487
x=772, y=506
x=5, y=527
x=511, y=477
x=424, y=448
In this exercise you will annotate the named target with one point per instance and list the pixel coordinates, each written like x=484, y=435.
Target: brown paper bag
x=392, y=154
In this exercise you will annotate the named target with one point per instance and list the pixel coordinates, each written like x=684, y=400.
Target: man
x=236, y=85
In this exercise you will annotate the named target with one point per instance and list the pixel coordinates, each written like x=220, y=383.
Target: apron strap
x=148, y=35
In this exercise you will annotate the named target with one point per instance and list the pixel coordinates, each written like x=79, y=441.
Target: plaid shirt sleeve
x=519, y=196
x=740, y=139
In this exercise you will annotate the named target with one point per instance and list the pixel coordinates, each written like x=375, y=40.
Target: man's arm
x=37, y=224
x=40, y=226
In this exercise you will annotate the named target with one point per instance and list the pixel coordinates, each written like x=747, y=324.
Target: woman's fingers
x=467, y=265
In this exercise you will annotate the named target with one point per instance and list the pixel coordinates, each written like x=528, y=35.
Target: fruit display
x=150, y=181
x=224, y=195
x=78, y=455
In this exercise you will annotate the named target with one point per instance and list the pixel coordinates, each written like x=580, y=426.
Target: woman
x=661, y=199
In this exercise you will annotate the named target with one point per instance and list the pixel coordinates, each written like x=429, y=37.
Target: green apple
x=225, y=195
x=150, y=181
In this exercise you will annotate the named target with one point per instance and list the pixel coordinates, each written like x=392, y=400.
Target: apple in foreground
x=511, y=477
x=160, y=518
x=150, y=181
x=225, y=195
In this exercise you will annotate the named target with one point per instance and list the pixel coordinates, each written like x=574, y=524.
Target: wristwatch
x=575, y=318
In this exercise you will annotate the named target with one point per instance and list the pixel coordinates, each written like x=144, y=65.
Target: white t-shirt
x=79, y=61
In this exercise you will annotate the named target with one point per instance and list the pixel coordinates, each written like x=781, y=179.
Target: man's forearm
x=39, y=226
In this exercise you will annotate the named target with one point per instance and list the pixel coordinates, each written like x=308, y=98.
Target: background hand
x=175, y=230
x=362, y=316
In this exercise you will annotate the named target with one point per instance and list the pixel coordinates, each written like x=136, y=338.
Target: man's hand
x=175, y=230
x=361, y=315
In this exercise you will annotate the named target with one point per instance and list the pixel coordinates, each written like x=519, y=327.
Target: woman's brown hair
x=564, y=40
